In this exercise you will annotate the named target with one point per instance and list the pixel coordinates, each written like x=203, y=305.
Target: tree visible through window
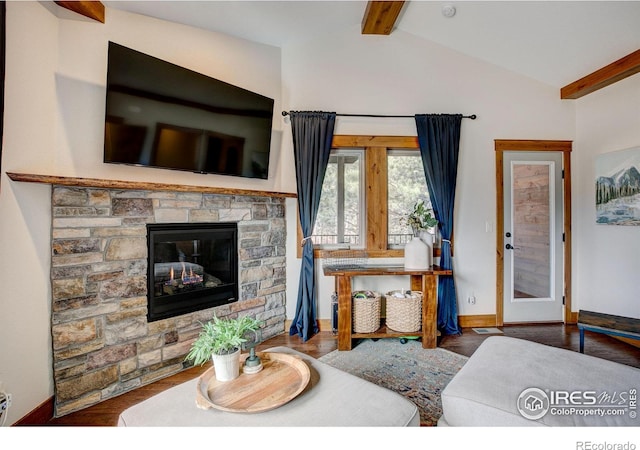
x=342, y=217
x=340, y=213
x=370, y=187
x=406, y=186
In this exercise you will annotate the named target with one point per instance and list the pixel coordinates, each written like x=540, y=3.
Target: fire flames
x=185, y=278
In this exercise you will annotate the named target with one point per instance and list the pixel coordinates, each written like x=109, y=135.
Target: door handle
x=511, y=247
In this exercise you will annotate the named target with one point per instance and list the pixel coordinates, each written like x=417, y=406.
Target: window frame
x=360, y=154
x=399, y=152
x=375, y=225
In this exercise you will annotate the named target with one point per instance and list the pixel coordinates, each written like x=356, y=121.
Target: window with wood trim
x=339, y=223
x=406, y=185
x=371, y=184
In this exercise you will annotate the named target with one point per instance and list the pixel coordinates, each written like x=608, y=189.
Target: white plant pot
x=428, y=239
x=227, y=366
x=416, y=255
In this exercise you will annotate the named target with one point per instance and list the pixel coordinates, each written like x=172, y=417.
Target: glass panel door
x=533, y=248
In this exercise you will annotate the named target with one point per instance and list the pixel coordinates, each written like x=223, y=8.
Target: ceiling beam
x=92, y=10
x=381, y=16
x=616, y=71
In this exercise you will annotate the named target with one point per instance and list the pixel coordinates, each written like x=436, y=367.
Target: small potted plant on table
x=421, y=218
x=418, y=252
x=220, y=340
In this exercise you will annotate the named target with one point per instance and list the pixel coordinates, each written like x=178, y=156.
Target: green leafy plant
x=421, y=218
x=221, y=337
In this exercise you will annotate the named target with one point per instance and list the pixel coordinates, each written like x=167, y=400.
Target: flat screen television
x=159, y=114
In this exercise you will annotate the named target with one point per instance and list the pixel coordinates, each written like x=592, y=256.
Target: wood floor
x=557, y=335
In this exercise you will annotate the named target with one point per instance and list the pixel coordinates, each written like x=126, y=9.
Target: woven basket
x=404, y=314
x=346, y=259
x=366, y=311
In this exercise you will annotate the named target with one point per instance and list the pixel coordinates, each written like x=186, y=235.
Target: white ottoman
x=332, y=398
x=486, y=390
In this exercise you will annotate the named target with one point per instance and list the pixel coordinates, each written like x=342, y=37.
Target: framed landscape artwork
x=618, y=187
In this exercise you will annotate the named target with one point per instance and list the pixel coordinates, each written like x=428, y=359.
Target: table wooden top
x=609, y=321
x=383, y=270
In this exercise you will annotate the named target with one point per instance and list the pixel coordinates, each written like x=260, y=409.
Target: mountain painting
x=618, y=187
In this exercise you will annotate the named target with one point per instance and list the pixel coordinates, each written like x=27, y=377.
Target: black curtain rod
x=472, y=116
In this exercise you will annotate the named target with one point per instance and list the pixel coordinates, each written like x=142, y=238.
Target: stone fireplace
x=104, y=343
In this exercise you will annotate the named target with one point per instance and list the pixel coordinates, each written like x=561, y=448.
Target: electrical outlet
x=471, y=299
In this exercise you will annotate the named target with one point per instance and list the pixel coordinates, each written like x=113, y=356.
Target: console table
x=421, y=280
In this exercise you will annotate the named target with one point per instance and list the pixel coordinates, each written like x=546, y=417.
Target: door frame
x=509, y=145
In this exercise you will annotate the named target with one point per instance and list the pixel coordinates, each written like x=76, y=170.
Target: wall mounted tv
x=162, y=115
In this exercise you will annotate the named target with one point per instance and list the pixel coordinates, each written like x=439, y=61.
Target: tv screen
x=162, y=115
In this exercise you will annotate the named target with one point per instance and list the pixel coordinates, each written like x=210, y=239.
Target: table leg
x=581, y=340
x=429, y=311
x=344, y=312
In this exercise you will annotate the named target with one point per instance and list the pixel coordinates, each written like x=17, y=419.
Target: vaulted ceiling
x=555, y=42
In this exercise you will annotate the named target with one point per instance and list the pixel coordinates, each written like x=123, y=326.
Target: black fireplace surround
x=191, y=266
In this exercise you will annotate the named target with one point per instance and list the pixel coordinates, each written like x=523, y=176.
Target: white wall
x=606, y=257
x=402, y=74
x=25, y=223
x=54, y=118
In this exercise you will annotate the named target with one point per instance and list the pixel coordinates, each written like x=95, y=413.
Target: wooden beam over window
x=92, y=10
x=381, y=16
x=616, y=71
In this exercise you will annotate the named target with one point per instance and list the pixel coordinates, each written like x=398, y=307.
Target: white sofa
x=506, y=376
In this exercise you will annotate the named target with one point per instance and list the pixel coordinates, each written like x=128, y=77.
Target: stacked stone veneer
x=102, y=342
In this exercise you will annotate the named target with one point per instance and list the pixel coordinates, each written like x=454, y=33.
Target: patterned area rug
x=418, y=374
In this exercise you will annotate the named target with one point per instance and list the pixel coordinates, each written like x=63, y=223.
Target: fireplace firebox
x=190, y=267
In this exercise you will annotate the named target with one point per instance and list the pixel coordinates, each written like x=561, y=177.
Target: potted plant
x=418, y=252
x=421, y=218
x=220, y=340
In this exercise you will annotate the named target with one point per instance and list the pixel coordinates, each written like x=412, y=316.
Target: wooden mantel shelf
x=140, y=185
